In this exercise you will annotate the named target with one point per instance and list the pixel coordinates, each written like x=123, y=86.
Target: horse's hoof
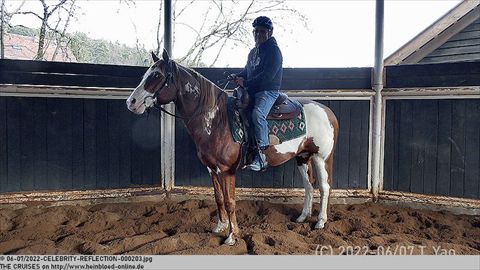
x=320, y=224
x=230, y=240
x=301, y=218
x=220, y=227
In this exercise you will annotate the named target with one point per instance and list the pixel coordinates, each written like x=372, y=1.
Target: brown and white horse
x=203, y=106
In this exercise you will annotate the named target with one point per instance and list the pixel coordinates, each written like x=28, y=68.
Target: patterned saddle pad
x=278, y=130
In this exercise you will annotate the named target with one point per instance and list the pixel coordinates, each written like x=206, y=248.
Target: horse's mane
x=208, y=92
x=212, y=99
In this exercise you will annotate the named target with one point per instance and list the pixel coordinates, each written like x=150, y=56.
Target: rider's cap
x=263, y=21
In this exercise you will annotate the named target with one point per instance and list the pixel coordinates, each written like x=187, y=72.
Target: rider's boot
x=259, y=161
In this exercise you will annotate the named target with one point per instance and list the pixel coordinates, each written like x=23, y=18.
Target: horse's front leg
x=228, y=179
x=222, y=223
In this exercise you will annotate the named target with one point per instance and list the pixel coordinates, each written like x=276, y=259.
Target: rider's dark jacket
x=263, y=71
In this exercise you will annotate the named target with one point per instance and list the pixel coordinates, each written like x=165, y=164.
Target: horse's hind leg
x=305, y=169
x=323, y=174
x=222, y=223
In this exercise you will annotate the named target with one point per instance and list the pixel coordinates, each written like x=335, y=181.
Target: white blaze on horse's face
x=142, y=97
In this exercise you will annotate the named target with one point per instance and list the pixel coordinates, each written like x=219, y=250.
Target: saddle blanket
x=278, y=130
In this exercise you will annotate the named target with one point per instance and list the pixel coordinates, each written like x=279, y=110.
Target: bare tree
x=61, y=42
x=159, y=25
x=2, y=23
x=5, y=18
x=226, y=23
x=44, y=16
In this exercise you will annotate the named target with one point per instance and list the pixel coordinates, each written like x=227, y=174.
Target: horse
x=203, y=107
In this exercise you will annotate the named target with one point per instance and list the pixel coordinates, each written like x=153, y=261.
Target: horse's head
x=157, y=85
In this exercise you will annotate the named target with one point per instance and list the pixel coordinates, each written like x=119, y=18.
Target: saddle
x=283, y=108
x=284, y=116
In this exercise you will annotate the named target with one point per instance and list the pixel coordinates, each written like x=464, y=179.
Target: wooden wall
x=66, y=144
x=433, y=147
x=75, y=143
x=350, y=163
x=464, y=46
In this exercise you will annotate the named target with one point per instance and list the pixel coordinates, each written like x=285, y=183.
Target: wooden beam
x=432, y=31
x=443, y=37
x=76, y=195
x=64, y=91
x=433, y=92
x=342, y=196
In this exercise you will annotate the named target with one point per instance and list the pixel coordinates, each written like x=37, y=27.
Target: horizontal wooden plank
x=7, y=77
x=88, y=75
x=451, y=58
x=326, y=84
x=466, y=35
x=469, y=49
x=71, y=68
x=461, y=74
x=472, y=27
x=433, y=69
x=434, y=81
x=433, y=75
x=459, y=43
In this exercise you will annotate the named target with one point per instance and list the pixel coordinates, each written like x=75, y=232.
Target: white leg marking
x=324, y=190
x=209, y=170
x=230, y=240
x=308, y=199
x=221, y=226
x=231, y=237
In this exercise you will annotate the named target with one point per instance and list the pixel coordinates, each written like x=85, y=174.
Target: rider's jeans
x=263, y=103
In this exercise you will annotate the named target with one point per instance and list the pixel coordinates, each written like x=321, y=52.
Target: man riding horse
x=204, y=108
x=262, y=76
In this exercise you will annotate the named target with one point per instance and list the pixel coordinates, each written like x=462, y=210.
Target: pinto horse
x=203, y=107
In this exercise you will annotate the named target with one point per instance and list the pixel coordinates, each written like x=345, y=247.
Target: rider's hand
x=240, y=81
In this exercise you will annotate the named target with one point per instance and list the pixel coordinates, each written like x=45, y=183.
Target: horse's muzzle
x=134, y=107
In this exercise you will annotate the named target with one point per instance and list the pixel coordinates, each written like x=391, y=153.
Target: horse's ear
x=165, y=55
x=154, y=57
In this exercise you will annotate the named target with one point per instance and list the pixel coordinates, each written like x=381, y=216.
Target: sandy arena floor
x=171, y=227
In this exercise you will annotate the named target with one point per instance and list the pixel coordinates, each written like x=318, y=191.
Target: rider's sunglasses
x=260, y=31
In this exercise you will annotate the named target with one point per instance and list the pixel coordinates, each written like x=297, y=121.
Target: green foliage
x=95, y=51
x=23, y=31
x=100, y=51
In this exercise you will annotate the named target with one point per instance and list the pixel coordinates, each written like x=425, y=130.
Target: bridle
x=153, y=99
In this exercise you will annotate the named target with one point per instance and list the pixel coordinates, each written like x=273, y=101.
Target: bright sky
x=341, y=33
